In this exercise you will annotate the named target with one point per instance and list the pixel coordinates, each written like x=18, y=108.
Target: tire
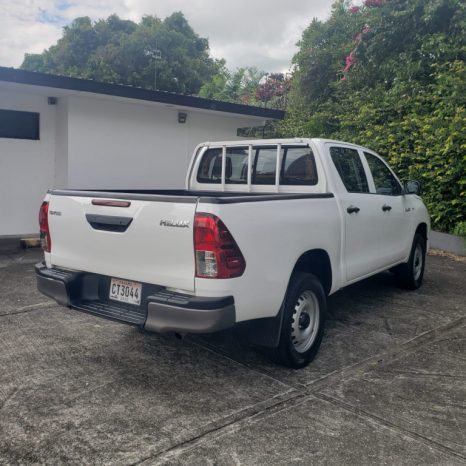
x=305, y=310
x=411, y=274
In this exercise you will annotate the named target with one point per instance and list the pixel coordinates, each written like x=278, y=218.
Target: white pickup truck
x=264, y=232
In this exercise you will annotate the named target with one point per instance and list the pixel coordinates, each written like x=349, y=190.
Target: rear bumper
x=160, y=310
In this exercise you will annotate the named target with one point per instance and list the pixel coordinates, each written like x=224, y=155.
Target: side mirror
x=412, y=187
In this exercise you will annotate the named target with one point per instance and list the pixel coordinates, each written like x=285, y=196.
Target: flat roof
x=86, y=85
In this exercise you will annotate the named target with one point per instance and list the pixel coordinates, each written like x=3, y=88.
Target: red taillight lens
x=217, y=254
x=45, y=240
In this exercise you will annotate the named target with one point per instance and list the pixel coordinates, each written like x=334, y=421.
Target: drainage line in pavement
x=309, y=393
x=390, y=355
x=252, y=415
x=388, y=424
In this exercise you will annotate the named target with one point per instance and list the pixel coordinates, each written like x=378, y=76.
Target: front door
x=396, y=236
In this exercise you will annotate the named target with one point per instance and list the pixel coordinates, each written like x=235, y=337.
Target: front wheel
x=304, y=316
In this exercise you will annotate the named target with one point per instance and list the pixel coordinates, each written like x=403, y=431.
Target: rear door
x=147, y=241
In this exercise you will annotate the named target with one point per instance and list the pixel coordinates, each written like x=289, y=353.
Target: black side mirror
x=412, y=187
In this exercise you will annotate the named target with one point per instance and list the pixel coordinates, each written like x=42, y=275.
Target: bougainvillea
x=358, y=37
x=276, y=85
x=349, y=63
x=351, y=59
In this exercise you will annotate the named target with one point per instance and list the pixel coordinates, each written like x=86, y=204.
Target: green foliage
x=116, y=50
x=238, y=86
x=248, y=86
x=403, y=95
x=460, y=229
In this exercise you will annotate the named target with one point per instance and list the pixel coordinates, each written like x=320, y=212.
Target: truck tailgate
x=146, y=241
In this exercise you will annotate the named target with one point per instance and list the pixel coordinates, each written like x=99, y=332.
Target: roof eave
x=119, y=90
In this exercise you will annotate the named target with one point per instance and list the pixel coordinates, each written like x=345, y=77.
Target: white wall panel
x=26, y=167
x=114, y=144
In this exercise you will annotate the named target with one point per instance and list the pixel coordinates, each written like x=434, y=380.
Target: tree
x=273, y=90
x=238, y=86
x=118, y=51
x=391, y=75
x=248, y=86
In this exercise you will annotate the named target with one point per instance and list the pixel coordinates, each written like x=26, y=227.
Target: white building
x=60, y=132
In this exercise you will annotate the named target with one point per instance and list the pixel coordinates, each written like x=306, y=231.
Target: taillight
x=45, y=240
x=217, y=254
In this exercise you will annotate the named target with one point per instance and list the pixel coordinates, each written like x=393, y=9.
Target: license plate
x=125, y=291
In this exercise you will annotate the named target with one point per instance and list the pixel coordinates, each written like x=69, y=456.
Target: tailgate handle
x=110, y=203
x=109, y=222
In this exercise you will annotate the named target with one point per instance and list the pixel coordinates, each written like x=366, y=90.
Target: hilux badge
x=175, y=223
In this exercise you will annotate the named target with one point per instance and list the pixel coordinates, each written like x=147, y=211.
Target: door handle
x=386, y=207
x=352, y=209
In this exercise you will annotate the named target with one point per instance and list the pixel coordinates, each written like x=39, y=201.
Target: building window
x=19, y=125
x=257, y=132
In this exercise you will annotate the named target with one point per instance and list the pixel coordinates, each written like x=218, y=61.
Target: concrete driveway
x=388, y=387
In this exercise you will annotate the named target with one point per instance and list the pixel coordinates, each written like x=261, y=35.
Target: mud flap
x=266, y=332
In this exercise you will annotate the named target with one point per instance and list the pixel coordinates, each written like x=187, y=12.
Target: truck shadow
x=363, y=319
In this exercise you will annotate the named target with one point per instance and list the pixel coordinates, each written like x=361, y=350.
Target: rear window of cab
x=297, y=166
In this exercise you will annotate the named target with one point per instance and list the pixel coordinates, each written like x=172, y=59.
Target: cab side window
x=265, y=164
x=350, y=168
x=298, y=167
x=210, y=169
x=236, y=166
x=385, y=182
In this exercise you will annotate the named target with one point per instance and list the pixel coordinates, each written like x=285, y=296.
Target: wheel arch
x=422, y=230
x=266, y=332
x=317, y=262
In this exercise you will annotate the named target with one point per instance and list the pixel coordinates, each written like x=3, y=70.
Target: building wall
x=26, y=167
x=115, y=144
x=61, y=143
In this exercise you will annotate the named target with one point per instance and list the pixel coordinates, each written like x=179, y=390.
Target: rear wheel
x=303, y=321
x=410, y=275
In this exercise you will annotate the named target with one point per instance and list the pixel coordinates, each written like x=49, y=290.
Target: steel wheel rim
x=417, y=262
x=305, y=323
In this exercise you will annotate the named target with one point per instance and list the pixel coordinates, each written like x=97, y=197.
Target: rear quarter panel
x=272, y=235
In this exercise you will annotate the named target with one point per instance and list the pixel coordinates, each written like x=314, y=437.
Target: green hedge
x=405, y=96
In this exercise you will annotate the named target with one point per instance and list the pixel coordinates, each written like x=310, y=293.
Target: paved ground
x=389, y=385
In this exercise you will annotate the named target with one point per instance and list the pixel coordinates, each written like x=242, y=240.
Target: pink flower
x=358, y=37
x=355, y=9
x=349, y=62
